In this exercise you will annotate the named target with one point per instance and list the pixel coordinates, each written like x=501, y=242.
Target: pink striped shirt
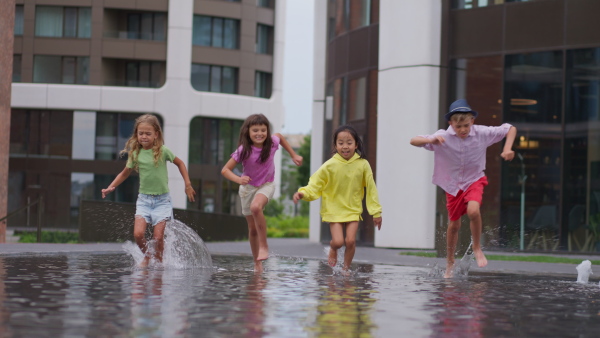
x=460, y=162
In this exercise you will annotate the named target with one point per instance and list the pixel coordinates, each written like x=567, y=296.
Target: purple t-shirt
x=260, y=173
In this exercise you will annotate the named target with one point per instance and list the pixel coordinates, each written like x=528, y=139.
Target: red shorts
x=457, y=205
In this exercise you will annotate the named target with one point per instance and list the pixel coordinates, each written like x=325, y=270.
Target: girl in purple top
x=256, y=149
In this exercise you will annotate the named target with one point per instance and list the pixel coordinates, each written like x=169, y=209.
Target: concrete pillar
x=7, y=22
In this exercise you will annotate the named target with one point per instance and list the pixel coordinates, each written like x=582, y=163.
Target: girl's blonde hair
x=133, y=147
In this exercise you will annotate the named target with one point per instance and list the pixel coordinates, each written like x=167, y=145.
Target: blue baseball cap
x=459, y=106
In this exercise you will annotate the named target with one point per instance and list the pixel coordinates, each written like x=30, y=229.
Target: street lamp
x=522, y=179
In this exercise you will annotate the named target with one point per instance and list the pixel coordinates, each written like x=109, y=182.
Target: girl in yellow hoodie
x=341, y=182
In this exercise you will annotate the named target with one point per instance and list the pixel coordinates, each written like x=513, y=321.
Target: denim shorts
x=154, y=208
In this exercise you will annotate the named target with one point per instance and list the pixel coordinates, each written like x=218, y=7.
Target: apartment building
x=84, y=70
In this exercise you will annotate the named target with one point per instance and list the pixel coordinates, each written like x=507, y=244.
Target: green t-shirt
x=153, y=179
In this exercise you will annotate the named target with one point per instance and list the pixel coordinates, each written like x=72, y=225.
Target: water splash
x=338, y=268
x=460, y=269
x=584, y=270
x=183, y=248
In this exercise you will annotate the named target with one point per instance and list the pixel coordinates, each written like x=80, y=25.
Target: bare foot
x=144, y=263
x=262, y=254
x=332, y=260
x=449, y=271
x=258, y=267
x=480, y=258
x=346, y=272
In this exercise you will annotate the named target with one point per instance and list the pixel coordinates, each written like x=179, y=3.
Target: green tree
x=304, y=169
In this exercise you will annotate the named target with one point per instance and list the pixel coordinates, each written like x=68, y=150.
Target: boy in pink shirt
x=459, y=164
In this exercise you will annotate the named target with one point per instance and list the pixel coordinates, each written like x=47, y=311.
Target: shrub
x=285, y=226
x=48, y=237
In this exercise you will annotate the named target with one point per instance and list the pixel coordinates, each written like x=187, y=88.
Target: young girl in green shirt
x=148, y=155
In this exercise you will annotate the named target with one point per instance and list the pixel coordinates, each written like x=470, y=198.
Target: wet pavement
x=303, y=248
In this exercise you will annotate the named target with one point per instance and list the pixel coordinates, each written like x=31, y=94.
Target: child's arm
x=227, y=172
x=419, y=141
x=118, y=180
x=507, y=153
x=189, y=190
x=284, y=143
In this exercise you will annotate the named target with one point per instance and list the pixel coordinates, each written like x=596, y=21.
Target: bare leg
x=139, y=234
x=451, y=240
x=351, y=229
x=337, y=240
x=253, y=238
x=159, y=239
x=260, y=223
x=475, y=218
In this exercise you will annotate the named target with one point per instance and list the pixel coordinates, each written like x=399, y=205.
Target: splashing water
x=584, y=270
x=460, y=269
x=338, y=268
x=183, y=248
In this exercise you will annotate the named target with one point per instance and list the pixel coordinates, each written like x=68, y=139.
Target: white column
x=316, y=145
x=408, y=96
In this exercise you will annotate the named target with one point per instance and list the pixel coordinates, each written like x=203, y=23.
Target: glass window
x=19, y=20
x=266, y=3
x=581, y=195
x=360, y=13
x=16, y=73
x=143, y=73
x=55, y=21
x=357, y=96
x=146, y=26
x=215, y=32
x=47, y=69
x=219, y=79
x=60, y=69
x=49, y=21
x=533, y=87
x=263, y=84
x=70, y=23
x=45, y=133
x=106, y=137
x=264, y=39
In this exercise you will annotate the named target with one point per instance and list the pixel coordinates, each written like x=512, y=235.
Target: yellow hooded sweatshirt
x=341, y=183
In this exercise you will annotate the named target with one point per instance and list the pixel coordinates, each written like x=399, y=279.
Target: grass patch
x=48, y=237
x=524, y=258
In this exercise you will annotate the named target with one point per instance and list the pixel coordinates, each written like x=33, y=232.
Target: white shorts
x=248, y=191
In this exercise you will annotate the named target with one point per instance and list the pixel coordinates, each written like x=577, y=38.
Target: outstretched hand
x=107, y=191
x=190, y=192
x=297, y=196
x=297, y=160
x=508, y=155
x=377, y=222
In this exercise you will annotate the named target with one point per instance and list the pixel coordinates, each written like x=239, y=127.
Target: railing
x=40, y=212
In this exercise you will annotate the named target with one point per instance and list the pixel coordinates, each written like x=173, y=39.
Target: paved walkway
x=302, y=248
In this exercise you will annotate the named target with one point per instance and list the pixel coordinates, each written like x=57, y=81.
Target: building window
x=112, y=131
x=360, y=13
x=143, y=73
x=68, y=22
x=264, y=39
x=216, y=32
x=41, y=133
x=16, y=73
x=263, y=84
x=61, y=69
x=210, y=78
x=19, y=20
x=147, y=26
x=266, y=3
x=357, y=97
x=212, y=141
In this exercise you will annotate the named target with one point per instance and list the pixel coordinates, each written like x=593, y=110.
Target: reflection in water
x=462, y=310
x=345, y=305
x=87, y=294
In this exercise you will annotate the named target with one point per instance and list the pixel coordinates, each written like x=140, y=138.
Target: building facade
x=533, y=64
x=84, y=70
